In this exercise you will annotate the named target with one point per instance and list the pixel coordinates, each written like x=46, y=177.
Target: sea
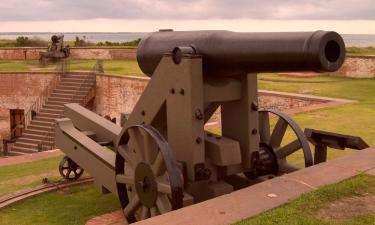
x=357, y=40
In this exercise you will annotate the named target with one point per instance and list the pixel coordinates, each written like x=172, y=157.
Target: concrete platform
x=250, y=201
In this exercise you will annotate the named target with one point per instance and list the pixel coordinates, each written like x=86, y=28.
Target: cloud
x=42, y=10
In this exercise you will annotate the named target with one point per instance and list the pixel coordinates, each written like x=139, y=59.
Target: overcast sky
x=349, y=16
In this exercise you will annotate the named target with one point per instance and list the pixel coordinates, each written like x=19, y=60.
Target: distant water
x=359, y=40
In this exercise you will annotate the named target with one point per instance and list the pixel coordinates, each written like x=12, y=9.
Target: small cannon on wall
x=56, y=50
x=164, y=159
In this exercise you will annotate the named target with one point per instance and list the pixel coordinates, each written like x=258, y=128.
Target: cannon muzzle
x=228, y=53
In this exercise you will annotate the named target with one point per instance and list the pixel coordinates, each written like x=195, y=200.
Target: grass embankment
x=304, y=210
x=27, y=175
x=74, y=205
x=360, y=51
x=354, y=119
x=122, y=67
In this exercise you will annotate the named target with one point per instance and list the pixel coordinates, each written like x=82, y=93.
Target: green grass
x=27, y=175
x=304, y=209
x=121, y=67
x=360, y=51
x=18, y=66
x=356, y=118
x=70, y=206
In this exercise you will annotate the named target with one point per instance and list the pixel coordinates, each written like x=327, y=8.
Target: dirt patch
x=347, y=208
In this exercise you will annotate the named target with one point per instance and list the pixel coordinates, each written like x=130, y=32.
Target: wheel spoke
x=163, y=204
x=128, y=158
x=150, y=149
x=154, y=211
x=145, y=213
x=134, y=138
x=163, y=187
x=288, y=149
x=158, y=164
x=264, y=127
x=69, y=172
x=278, y=133
x=133, y=205
x=125, y=179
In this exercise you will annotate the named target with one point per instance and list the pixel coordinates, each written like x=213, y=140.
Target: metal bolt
x=254, y=131
x=182, y=91
x=198, y=140
x=254, y=106
x=198, y=114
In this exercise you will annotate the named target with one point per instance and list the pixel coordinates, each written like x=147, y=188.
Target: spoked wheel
x=272, y=140
x=148, y=179
x=70, y=170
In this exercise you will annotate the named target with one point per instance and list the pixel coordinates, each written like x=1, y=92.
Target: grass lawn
x=304, y=210
x=70, y=206
x=17, y=177
x=122, y=67
x=355, y=119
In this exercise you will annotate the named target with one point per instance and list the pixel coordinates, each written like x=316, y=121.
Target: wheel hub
x=145, y=185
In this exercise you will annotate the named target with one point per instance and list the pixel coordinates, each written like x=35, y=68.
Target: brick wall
x=19, y=91
x=75, y=53
x=116, y=94
x=358, y=67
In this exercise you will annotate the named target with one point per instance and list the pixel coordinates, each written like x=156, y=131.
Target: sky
x=344, y=16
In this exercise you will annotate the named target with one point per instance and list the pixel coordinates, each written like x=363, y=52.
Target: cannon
x=163, y=158
x=56, y=50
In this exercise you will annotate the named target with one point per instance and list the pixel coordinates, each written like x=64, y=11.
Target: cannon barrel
x=227, y=53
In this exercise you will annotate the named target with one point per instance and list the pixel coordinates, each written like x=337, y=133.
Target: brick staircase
x=39, y=134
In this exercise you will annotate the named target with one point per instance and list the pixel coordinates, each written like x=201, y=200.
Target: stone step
x=74, y=88
x=42, y=123
x=25, y=150
x=59, y=99
x=36, y=131
x=49, y=115
x=16, y=153
x=71, y=92
x=45, y=119
x=69, y=96
x=53, y=107
x=29, y=146
x=75, y=84
x=84, y=76
x=43, y=140
x=35, y=135
x=74, y=79
x=52, y=110
x=56, y=103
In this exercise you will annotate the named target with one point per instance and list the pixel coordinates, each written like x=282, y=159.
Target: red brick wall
x=358, y=67
x=19, y=91
x=116, y=94
x=75, y=53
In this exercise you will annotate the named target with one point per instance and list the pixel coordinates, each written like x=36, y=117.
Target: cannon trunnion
x=164, y=158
